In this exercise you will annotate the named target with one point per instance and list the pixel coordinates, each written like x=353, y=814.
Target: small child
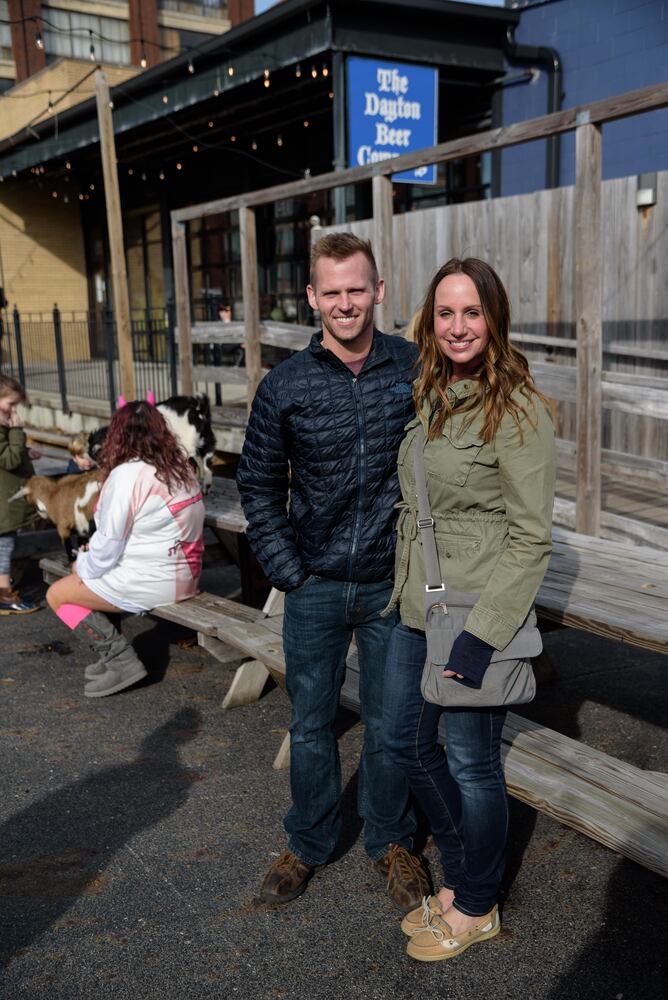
x=80, y=460
x=15, y=468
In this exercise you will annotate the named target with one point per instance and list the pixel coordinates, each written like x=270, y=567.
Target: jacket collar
x=377, y=355
x=460, y=391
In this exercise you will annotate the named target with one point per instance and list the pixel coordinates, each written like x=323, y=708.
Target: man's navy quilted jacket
x=333, y=439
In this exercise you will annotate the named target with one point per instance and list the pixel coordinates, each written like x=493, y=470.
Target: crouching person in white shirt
x=147, y=547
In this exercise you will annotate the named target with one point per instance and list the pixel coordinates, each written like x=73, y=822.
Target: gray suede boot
x=121, y=665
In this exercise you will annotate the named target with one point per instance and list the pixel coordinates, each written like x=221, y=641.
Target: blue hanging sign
x=392, y=109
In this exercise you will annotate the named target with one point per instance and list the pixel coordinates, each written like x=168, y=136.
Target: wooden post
x=119, y=275
x=382, y=246
x=588, y=320
x=182, y=292
x=249, y=285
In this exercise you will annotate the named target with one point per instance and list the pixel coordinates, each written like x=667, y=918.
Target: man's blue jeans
x=318, y=625
x=461, y=790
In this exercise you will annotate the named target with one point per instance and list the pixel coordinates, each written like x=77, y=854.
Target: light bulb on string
x=91, y=51
x=279, y=141
x=230, y=70
x=253, y=145
x=165, y=99
x=195, y=149
x=81, y=197
x=325, y=69
x=54, y=194
x=314, y=72
x=306, y=123
x=39, y=41
x=233, y=138
x=210, y=124
x=66, y=199
x=143, y=61
x=179, y=166
x=92, y=187
x=216, y=92
x=130, y=171
x=161, y=175
x=143, y=175
x=49, y=106
x=68, y=165
x=111, y=105
x=298, y=71
x=191, y=66
x=267, y=81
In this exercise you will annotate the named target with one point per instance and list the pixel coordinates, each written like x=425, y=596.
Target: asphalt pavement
x=135, y=829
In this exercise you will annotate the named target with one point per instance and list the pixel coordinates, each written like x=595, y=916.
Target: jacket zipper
x=361, y=474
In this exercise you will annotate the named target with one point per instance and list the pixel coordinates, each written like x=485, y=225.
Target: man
x=318, y=484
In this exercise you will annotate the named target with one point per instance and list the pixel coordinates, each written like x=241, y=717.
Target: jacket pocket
x=461, y=452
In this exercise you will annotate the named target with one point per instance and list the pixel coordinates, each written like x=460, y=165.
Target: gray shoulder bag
x=509, y=679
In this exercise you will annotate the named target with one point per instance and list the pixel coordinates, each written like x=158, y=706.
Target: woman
x=147, y=547
x=489, y=459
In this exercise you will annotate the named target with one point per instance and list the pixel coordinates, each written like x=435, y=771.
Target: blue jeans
x=318, y=625
x=461, y=790
x=7, y=543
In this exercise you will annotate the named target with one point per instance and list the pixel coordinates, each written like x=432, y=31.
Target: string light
x=279, y=141
x=325, y=70
x=130, y=171
x=143, y=175
x=66, y=199
x=253, y=144
x=161, y=175
x=54, y=194
x=81, y=197
x=39, y=41
x=267, y=81
x=306, y=124
x=195, y=149
x=298, y=72
x=233, y=138
x=165, y=99
x=216, y=92
x=191, y=66
x=111, y=105
x=210, y=124
x=49, y=106
x=68, y=165
x=230, y=70
x=91, y=51
x=314, y=72
x=143, y=61
x=92, y=187
x=179, y=166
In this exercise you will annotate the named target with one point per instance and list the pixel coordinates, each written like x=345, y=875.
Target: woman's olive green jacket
x=15, y=468
x=492, y=507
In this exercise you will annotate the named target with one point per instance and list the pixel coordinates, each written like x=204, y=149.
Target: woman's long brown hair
x=139, y=431
x=503, y=368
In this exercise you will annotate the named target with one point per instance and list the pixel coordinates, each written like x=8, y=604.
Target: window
x=5, y=32
x=68, y=34
x=196, y=8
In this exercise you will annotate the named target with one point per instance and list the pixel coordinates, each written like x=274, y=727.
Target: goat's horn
x=19, y=493
x=150, y=398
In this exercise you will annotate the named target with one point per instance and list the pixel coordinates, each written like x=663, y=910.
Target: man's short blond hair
x=342, y=246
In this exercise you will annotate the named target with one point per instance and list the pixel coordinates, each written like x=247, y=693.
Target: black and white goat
x=189, y=420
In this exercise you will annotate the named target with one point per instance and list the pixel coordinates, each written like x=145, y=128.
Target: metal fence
x=74, y=355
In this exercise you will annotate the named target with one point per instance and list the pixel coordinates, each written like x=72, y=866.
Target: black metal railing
x=74, y=355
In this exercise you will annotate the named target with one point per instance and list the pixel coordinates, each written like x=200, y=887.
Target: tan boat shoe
x=419, y=918
x=438, y=941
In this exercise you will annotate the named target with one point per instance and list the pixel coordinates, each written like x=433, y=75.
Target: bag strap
x=425, y=522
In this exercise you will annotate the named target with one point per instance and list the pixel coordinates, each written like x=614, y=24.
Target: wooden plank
x=220, y=651
x=251, y=301
x=383, y=248
x=119, y=275
x=609, y=109
x=247, y=685
x=588, y=320
x=282, y=758
x=617, y=463
x=614, y=527
x=182, y=291
x=614, y=803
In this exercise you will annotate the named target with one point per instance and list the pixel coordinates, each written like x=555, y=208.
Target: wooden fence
x=564, y=293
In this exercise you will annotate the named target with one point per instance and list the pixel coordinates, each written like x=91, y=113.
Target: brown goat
x=69, y=502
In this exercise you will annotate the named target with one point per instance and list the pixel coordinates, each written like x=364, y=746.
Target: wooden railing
x=585, y=383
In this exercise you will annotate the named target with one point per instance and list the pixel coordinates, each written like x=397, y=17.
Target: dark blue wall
x=606, y=47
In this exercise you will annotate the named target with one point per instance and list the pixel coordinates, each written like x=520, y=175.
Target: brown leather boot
x=286, y=879
x=407, y=880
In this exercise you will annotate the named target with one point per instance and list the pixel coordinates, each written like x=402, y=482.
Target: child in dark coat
x=15, y=468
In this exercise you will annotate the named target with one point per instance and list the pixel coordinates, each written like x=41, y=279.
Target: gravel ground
x=134, y=831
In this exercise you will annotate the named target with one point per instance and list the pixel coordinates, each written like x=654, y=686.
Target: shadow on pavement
x=60, y=847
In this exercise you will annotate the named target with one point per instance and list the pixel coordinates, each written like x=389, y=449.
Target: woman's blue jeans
x=462, y=789
x=319, y=621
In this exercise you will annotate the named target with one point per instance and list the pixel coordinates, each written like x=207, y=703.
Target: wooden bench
x=620, y=806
